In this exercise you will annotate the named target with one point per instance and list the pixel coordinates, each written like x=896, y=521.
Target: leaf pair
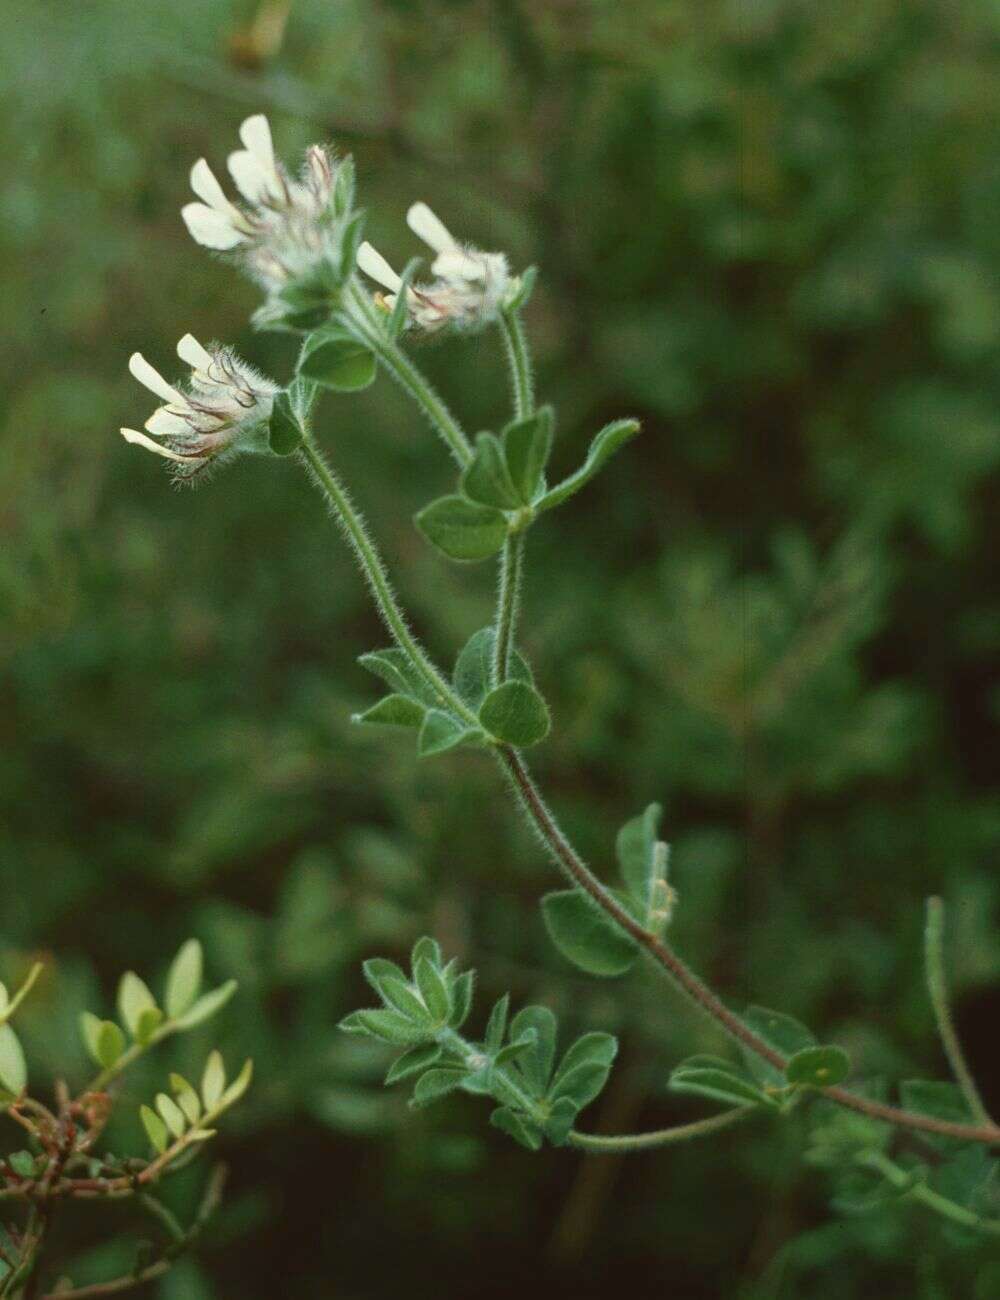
x=585, y=934
x=189, y=1112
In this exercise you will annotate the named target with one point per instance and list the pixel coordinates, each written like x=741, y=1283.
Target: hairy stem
x=570, y=862
x=612, y=1144
x=917, y=1191
x=937, y=986
x=519, y=358
x=508, y=601
x=374, y=570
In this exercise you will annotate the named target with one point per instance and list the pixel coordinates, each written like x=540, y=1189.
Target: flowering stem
x=613, y=1144
x=519, y=356
x=903, y=1181
x=372, y=332
x=937, y=986
x=378, y=580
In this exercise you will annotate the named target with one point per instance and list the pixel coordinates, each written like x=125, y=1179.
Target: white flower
x=225, y=402
x=285, y=225
x=470, y=285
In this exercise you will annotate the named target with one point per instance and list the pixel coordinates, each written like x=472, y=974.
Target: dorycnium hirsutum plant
x=300, y=239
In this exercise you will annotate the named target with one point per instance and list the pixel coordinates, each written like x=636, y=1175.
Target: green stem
x=519, y=358
x=508, y=601
x=372, y=567
x=372, y=332
x=612, y=1144
x=937, y=986
x=917, y=1191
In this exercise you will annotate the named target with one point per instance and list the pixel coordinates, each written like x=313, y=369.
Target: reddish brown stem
x=688, y=982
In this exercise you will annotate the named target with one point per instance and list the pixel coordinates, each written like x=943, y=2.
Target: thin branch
x=613, y=1144
x=918, y=1191
x=937, y=987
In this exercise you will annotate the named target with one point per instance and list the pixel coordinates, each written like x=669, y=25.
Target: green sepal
x=522, y=289
x=394, y=711
x=413, y=1062
x=284, y=432
x=486, y=478
x=472, y=675
x=512, y=1123
x=462, y=529
x=818, y=1067
x=436, y=1083
x=586, y=936
x=442, y=731
x=527, y=445
x=605, y=444
x=515, y=713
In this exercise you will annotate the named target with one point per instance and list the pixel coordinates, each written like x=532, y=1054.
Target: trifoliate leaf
x=709, y=1076
x=536, y=1065
x=585, y=936
x=472, y=677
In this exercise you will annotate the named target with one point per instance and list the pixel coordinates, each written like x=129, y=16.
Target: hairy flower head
x=469, y=287
x=223, y=408
x=284, y=227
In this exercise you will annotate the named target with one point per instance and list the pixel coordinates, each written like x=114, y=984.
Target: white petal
x=191, y=351
x=374, y=264
x=208, y=189
x=256, y=135
x=165, y=421
x=253, y=180
x=426, y=226
x=152, y=379
x=454, y=263
x=210, y=228
x=140, y=439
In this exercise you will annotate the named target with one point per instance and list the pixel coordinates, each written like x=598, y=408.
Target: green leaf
x=461, y=529
x=213, y=1080
x=607, y=442
x=818, y=1067
x=523, y=287
x=413, y=1062
x=434, y=1084
x=496, y=1025
x=155, y=1128
x=149, y=1022
x=785, y=1034
x=394, y=711
x=585, y=936
x=376, y=968
x=643, y=861
x=184, y=979
x=13, y=1067
x=536, y=1065
x=396, y=670
x=109, y=1044
x=515, y=713
x=461, y=996
x=931, y=1097
x=400, y=997
x=516, y=1047
x=333, y=358
x=433, y=989
x=400, y=314
x=486, y=478
x=171, y=1114
x=516, y=1126
x=187, y=1098
x=284, y=433
x=238, y=1086
x=709, y=1076
x=207, y=1006
x=22, y=1163
x=350, y=242
x=582, y=1084
x=134, y=998
x=428, y=949
x=526, y=445
x=596, y=1049
x=442, y=731
x=389, y=1026
x=472, y=676
x=561, y=1118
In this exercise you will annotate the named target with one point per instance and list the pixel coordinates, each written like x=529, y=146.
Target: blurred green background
x=769, y=230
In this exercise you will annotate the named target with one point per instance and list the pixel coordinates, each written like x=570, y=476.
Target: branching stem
x=615, y=1144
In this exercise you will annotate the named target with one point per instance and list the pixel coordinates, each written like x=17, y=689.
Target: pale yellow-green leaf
x=213, y=1081
x=184, y=979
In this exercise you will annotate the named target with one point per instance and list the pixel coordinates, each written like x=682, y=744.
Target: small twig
x=612, y=1144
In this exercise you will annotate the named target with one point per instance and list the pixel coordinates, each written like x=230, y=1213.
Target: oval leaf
x=332, y=358
x=585, y=936
x=606, y=443
x=818, y=1067
x=13, y=1068
x=463, y=530
x=515, y=713
x=183, y=979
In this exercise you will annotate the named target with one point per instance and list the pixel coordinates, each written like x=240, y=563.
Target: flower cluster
x=469, y=288
x=286, y=225
x=225, y=404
